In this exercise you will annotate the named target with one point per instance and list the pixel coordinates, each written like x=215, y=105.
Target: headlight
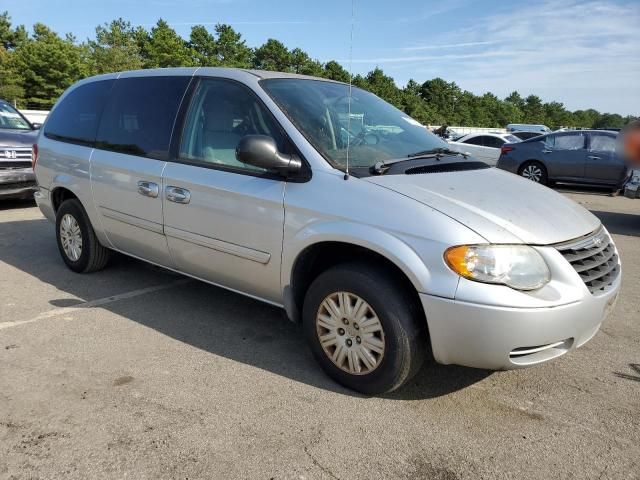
x=517, y=266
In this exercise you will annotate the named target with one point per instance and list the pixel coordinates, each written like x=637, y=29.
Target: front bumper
x=17, y=183
x=500, y=337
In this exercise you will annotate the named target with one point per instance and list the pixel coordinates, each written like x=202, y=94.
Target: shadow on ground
x=620, y=223
x=13, y=204
x=209, y=318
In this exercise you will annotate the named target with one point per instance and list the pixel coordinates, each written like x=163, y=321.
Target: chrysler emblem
x=10, y=154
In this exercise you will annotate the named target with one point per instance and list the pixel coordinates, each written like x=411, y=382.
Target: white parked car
x=483, y=146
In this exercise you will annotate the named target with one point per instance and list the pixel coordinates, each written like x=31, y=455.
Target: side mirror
x=261, y=151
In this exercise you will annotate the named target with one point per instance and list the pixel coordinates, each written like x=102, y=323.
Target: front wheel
x=363, y=329
x=534, y=171
x=77, y=242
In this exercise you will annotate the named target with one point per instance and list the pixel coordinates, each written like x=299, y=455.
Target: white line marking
x=95, y=303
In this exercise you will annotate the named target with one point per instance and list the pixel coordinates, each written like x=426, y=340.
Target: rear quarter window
x=75, y=119
x=138, y=118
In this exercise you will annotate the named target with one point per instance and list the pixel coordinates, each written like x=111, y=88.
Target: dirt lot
x=136, y=372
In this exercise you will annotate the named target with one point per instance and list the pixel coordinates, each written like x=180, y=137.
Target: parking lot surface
x=141, y=373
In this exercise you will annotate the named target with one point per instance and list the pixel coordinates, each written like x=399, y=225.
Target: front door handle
x=593, y=157
x=148, y=189
x=178, y=195
x=547, y=151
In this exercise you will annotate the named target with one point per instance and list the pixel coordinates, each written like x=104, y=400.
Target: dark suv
x=17, y=136
x=580, y=157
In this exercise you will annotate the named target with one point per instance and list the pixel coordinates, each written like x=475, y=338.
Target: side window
x=603, y=143
x=493, y=142
x=139, y=116
x=221, y=113
x=77, y=116
x=573, y=141
x=475, y=141
x=549, y=141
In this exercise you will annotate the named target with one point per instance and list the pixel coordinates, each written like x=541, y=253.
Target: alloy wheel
x=71, y=237
x=533, y=173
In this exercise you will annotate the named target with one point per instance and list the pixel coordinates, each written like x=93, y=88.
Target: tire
x=400, y=327
x=88, y=255
x=529, y=169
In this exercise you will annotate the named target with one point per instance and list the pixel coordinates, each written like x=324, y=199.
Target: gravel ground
x=137, y=372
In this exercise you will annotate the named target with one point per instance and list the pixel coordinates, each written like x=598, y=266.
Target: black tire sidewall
x=401, y=328
x=74, y=208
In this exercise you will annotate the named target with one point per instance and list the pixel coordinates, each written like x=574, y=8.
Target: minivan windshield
x=11, y=119
x=374, y=131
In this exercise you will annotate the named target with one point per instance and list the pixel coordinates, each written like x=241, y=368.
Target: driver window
x=221, y=113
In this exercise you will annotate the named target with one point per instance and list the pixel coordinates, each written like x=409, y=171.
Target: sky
x=585, y=54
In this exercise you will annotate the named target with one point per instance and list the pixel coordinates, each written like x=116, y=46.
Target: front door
x=126, y=166
x=224, y=219
x=603, y=165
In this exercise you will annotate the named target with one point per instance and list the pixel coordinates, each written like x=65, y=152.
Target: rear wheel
x=77, y=242
x=534, y=171
x=363, y=329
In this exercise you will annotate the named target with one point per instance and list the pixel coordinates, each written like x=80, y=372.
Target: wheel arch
x=59, y=194
x=322, y=250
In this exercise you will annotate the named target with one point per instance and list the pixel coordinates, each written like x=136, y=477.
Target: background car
x=483, y=146
x=526, y=135
x=577, y=157
x=17, y=136
x=527, y=127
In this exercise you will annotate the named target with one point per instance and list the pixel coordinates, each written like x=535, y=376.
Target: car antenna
x=353, y=13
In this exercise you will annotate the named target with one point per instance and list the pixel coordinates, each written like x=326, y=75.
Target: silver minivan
x=332, y=204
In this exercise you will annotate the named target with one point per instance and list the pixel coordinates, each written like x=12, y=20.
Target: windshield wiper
x=382, y=166
x=437, y=152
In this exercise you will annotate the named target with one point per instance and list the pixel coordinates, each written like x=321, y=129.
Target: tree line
x=36, y=67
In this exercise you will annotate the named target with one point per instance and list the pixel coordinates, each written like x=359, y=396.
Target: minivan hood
x=499, y=206
x=18, y=138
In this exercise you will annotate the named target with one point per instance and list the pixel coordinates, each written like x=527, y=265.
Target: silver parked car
x=17, y=136
x=339, y=208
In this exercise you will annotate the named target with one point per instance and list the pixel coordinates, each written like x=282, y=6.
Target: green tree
x=534, y=110
x=204, y=48
x=10, y=80
x=415, y=106
x=334, y=71
x=442, y=96
x=115, y=48
x=48, y=65
x=273, y=55
x=163, y=47
x=609, y=120
x=516, y=100
x=232, y=51
x=384, y=87
x=557, y=116
x=303, y=64
x=11, y=38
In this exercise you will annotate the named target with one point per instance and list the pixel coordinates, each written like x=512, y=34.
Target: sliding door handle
x=178, y=195
x=148, y=189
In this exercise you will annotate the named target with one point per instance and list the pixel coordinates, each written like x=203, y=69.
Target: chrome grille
x=8, y=154
x=594, y=258
x=14, y=165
